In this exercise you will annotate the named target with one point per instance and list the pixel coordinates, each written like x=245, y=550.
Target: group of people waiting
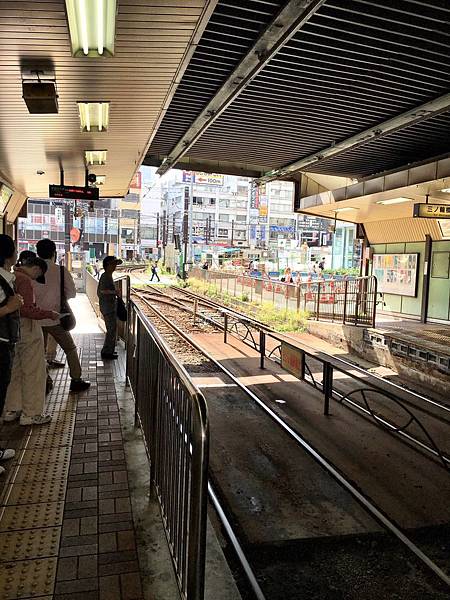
x=30, y=305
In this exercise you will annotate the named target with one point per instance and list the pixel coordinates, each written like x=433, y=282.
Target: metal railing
x=173, y=416
x=348, y=301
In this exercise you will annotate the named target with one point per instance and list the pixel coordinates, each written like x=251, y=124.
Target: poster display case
x=396, y=273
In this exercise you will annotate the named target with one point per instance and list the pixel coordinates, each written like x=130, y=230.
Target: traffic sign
x=432, y=211
x=73, y=192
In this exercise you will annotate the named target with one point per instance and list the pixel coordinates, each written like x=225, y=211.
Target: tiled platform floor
x=66, y=528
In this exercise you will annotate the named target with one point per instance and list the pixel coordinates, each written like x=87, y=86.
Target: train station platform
x=77, y=520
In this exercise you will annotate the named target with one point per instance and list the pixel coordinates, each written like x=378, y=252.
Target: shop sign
x=432, y=211
x=136, y=182
x=282, y=228
x=203, y=178
x=292, y=359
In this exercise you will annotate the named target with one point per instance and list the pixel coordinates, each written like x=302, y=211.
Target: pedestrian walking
x=10, y=303
x=48, y=297
x=25, y=398
x=154, y=272
x=107, y=296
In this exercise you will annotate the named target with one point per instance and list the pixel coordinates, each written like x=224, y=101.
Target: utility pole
x=173, y=229
x=185, y=230
x=157, y=235
x=164, y=236
x=191, y=208
x=232, y=232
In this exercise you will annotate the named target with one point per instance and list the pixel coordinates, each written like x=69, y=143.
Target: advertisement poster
x=263, y=203
x=396, y=273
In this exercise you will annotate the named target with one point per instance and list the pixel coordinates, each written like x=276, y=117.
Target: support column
x=426, y=279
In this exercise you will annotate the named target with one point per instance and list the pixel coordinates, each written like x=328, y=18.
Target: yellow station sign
x=432, y=211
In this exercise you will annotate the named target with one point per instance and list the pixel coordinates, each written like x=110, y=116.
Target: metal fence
x=344, y=300
x=173, y=416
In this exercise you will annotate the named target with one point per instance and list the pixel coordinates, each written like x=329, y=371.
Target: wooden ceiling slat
x=151, y=40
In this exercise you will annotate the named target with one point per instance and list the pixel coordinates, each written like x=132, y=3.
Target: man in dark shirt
x=107, y=296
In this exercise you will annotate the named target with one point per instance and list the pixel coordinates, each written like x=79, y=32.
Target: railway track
x=400, y=416
x=230, y=415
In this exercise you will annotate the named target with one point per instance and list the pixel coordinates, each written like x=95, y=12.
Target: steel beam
x=285, y=25
x=406, y=119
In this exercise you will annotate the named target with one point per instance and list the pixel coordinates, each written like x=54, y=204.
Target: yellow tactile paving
x=45, y=514
x=27, y=578
x=29, y=473
x=29, y=543
x=48, y=490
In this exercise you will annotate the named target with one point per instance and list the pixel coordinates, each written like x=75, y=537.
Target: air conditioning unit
x=40, y=97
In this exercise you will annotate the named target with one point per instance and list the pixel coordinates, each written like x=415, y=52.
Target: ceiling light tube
x=88, y=120
x=394, y=201
x=446, y=190
x=95, y=157
x=92, y=25
x=344, y=209
x=100, y=27
x=94, y=116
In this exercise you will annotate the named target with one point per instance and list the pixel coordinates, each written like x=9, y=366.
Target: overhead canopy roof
x=153, y=44
x=349, y=66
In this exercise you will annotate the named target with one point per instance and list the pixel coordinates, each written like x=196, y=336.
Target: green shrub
x=282, y=320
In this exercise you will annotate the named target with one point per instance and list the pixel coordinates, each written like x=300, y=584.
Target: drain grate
x=29, y=544
x=44, y=514
x=27, y=579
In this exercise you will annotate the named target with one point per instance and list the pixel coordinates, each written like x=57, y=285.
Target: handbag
x=67, y=322
x=121, y=310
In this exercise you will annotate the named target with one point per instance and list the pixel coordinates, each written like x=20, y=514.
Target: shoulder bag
x=67, y=322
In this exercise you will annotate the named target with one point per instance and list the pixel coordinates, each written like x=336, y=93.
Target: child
x=10, y=303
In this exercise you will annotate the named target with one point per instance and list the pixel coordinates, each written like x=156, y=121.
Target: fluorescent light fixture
x=394, y=201
x=344, y=209
x=95, y=157
x=446, y=190
x=94, y=116
x=92, y=25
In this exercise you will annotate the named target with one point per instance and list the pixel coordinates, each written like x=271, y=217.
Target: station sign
x=432, y=211
x=292, y=359
x=73, y=192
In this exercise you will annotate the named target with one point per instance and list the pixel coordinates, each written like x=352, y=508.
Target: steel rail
x=344, y=362
x=336, y=394
x=236, y=545
x=327, y=465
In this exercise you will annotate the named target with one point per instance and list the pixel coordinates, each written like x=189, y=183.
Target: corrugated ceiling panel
x=402, y=230
x=151, y=39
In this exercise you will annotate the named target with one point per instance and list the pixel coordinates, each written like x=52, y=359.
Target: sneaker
x=11, y=415
x=79, y=385
x=48, y=385
x=109, y=356
x=35, y=419
x=7, y=453
x=56, y=364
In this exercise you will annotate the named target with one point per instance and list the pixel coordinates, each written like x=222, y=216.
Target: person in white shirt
x=10, y=303
x=48, y=297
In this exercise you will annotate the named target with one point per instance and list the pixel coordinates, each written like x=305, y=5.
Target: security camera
x=92, y=178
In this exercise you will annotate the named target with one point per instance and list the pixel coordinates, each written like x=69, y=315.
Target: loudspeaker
x=40, y=97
